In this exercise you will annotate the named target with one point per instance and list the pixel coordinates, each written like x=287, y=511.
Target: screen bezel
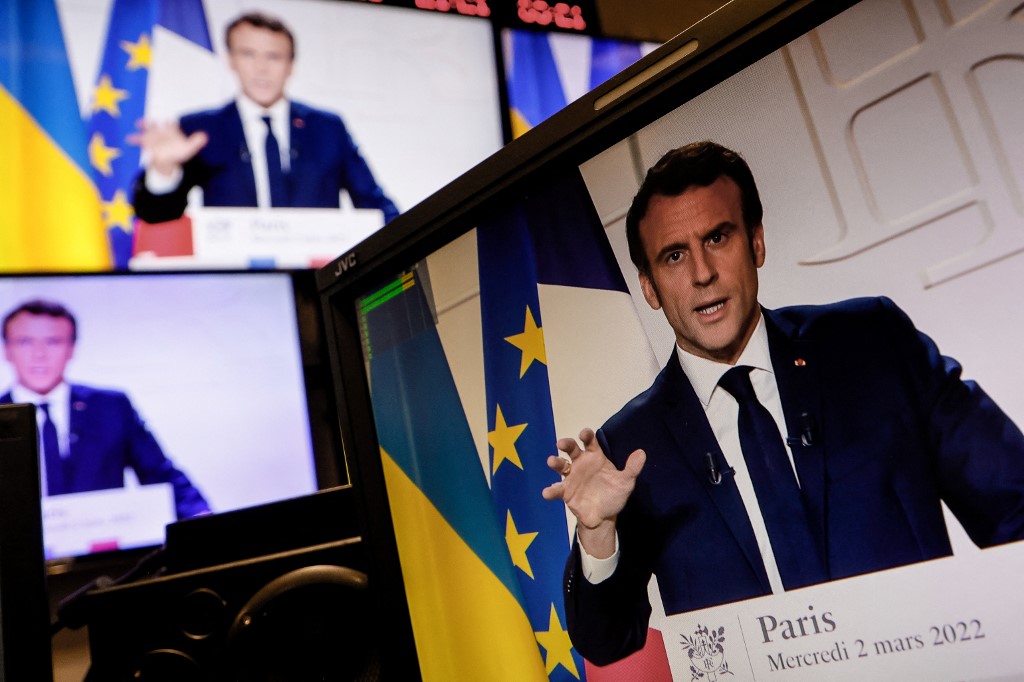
x=24, y=641
x=703, y=55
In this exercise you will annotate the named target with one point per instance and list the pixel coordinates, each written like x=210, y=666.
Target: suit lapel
x=795, y=362
x=296, y=143
x=687, y=421
x=76, y=419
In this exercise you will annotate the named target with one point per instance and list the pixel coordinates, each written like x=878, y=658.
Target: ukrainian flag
x=464, y=599
x=534, y=87
x=50, y=216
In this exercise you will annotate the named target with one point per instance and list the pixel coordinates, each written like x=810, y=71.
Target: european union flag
x=119, y=101
x=521, y=429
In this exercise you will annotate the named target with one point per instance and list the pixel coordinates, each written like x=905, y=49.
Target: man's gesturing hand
x=166, y=146
x=594, y=489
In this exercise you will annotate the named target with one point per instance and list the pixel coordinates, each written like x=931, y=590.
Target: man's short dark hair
x=697, y=164
x=260, y=20
x=40, y=306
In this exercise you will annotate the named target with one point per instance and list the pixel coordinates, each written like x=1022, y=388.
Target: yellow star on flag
x=100, y=155
x=140, y=54
x=531, y=342
x=557, y=646
x=108, y=98
x=503, y=440
x=118, y=212
x=518, y=543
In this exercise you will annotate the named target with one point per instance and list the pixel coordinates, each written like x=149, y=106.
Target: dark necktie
x=55, y=478
x=775, y=486
x=278, y=188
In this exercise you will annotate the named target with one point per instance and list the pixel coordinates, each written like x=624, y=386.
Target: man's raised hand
x=594, y=489
x=166, y=146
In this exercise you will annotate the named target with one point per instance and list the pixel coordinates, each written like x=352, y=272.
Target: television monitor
x=504, y=312
x=187, y=393
x=24, y=611
x=418, y=92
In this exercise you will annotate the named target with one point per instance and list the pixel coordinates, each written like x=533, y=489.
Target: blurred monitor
x=184, y=394
x=417, y=91
x=505, y=313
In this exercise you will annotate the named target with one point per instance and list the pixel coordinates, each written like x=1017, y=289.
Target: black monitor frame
x=701, y=56
x=24, y=612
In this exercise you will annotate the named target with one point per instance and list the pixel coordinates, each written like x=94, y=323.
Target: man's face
x=703, y=268
x=262, y=59
x=39, y=347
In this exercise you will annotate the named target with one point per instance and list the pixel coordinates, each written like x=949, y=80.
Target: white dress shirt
x=723, y=414
x=255, y=139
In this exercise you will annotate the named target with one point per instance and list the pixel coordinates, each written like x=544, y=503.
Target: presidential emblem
x=706, y=651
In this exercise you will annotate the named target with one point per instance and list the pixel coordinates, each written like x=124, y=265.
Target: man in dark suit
x=259, y=150
x=777, y=449
x=88, y=436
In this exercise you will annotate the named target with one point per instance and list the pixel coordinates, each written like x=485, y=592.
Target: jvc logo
x=345, y=263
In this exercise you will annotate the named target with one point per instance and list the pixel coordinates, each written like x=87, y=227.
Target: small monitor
x=171, y=395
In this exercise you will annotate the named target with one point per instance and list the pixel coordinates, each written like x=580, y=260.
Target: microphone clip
x=808, y=432
x=715, y=472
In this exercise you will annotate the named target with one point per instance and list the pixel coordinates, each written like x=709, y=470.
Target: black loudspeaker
x=286, y=613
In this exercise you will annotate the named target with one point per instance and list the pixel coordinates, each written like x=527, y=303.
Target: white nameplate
x=949, y=619
x=269, y=238
x=77, y=524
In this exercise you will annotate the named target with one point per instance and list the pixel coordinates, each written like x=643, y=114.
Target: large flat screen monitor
x=170, y=396
x=883, y=140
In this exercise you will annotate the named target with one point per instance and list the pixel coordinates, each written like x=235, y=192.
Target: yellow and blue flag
x=119, y=102
x=482, y=552
x=464, y=601
x=534, y=88
x=49, y=207
x=540, y=84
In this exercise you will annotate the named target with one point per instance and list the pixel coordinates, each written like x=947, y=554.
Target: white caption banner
x=77, y=524
x=950, y=619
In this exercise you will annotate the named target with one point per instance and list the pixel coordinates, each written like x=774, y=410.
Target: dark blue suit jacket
x=107, y=435
x=894, y=432
x=324, y=161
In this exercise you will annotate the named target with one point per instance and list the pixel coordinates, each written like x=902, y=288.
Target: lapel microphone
x=715, y=473
x=808, y=432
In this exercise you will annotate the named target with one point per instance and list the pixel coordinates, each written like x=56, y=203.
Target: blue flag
x=119, y=101
x=535, y=90
x=521, y=428
x=608, y=57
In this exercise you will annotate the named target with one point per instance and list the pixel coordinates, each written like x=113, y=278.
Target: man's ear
x=650, y=291
x=757, y=244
